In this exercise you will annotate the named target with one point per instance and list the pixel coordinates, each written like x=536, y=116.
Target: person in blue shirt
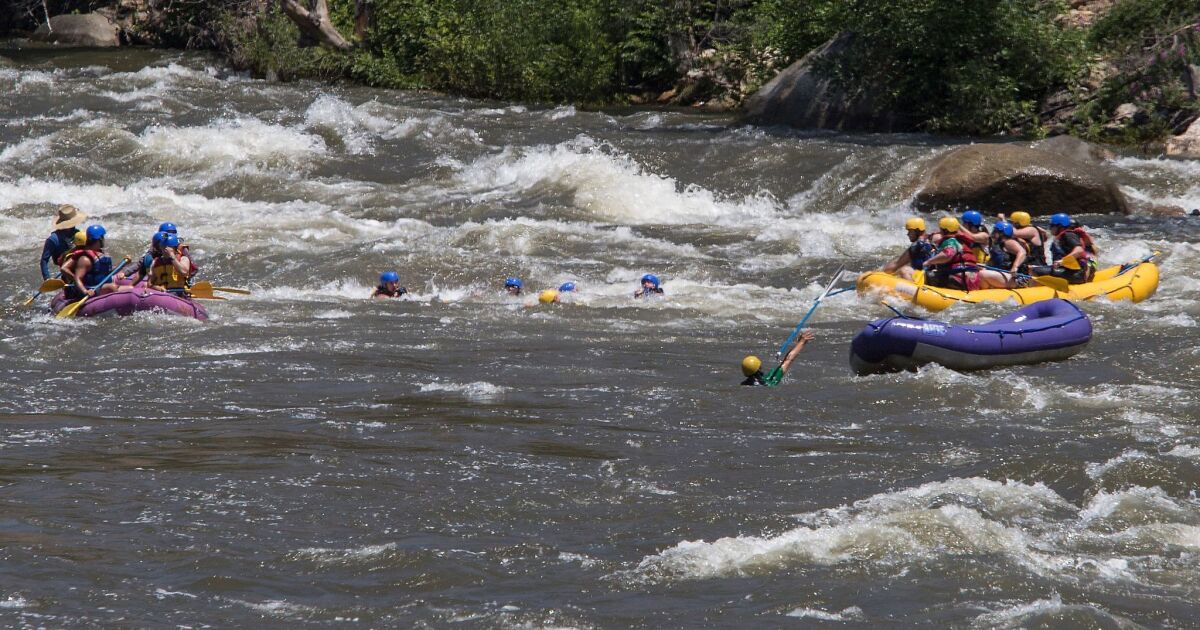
x=651, y=286
x=62, y=239
x=915, y=255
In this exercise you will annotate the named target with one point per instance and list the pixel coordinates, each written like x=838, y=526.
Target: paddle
x=53, y=284
x=205, y=286
x=72, y=308
x=1128, y=266
x=836, y=276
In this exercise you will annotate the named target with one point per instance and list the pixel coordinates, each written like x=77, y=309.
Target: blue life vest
x=101, y=267
x=919, y=252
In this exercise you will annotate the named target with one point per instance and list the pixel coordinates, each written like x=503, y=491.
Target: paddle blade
x=31, y=299
x=1058, y=284
x=1070, y=263
x=919, y=277
x=70, y=309
x=53, y=284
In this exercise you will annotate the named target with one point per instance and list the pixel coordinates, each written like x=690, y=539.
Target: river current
x=466, y=459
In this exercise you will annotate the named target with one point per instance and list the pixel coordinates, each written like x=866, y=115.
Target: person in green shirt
x=752, y=365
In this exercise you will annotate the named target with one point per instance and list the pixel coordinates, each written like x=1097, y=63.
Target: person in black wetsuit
x=1073, y=250
x=752, y=365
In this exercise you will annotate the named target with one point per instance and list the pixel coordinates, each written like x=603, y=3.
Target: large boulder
x=1007, y=177
x=1187, y=144
x=90, y=30
x=802, y=96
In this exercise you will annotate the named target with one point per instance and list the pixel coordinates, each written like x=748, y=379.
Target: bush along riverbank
x=1117, y=71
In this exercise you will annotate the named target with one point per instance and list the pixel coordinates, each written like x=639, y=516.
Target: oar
x=836, y=276
x=205, y=286
x=202, y=292
x=1058, y=284
x=72, y=308
x=1128, y=266
x=53, y=284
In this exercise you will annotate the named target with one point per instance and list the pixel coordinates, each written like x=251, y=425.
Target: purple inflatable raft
x=1043, y=331
x=129, y=302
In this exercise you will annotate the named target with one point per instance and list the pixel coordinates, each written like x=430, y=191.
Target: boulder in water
x=90, y=30
x=1008, y=177
x=803, y=96
x=1187, y=144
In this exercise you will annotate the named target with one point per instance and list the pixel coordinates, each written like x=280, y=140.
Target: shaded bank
x=1123, y=72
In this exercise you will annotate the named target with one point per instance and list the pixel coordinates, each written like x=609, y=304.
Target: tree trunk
x=362, y=18
x=315, y=23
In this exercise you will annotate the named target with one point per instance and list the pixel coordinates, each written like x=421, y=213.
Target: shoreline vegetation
x=1123, y=72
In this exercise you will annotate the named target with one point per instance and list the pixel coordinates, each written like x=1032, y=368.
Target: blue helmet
x=1061, y=219
x=1004, y=227
x=95, y=232
x=513, y=281
x=972, y=217
x=566, y=287
x=651, y=278
x=157, y=239
x=168, y=227
x=170, y=240
x=389, y=276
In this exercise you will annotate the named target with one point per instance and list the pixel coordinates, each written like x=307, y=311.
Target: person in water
x=554, y=296
x=513, y=285
x=955, y=265
x=651, y=286
x=918, y=251
x=87, y=266
x=172, y=270
x=389, y=286
x=1074, y=252
x=1006, y=251
x=752, y=365
x=62, y=238
x=1034, y=236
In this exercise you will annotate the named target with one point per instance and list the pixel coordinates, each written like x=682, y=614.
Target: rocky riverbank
x=1124, y=73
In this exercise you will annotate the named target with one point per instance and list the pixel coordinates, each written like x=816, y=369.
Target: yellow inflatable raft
x=1135, y=283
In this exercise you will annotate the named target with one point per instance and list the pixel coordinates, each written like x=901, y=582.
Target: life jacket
x=967, y=239
x=101, y=265
x=61, y=248
x=920, y=251
x=961, y=263
x=965, y=255
x=1000, y=257
x=167, y=276
x=382, y=290
x=1089, y=247
x=1037, y=253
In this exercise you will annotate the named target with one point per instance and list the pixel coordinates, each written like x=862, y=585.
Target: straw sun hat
x=68, y=217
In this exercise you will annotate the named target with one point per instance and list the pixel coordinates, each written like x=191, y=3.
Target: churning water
x=309, y=457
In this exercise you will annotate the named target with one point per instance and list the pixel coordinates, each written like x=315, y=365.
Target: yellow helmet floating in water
x=1020, y=218
x=915, y=223
x=948, y=224
x=751, y=365
x=548, y=296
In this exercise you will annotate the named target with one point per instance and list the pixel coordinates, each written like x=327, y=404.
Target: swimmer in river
x=752, y=365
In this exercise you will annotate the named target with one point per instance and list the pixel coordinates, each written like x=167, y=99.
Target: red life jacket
x=966, y=253
x=1089, y=247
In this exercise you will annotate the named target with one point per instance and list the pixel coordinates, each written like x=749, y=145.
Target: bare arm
x=805, y=337
x=1018, y=254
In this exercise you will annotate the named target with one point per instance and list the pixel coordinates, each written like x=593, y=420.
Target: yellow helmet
x=80, y=238
x=547, y=296
x=915, y=223
x=1020, y=218
x=948, y=224
x=751, y=365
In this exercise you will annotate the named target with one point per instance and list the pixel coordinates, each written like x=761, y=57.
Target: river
x=467, y=459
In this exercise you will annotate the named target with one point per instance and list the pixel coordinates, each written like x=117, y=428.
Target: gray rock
x=1007, y=177
x=1187, y=144
x=90, y=30
x=1075, y=149
x=801, y=96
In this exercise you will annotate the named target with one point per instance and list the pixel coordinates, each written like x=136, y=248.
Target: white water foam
x=479, y=391
x=326, y=556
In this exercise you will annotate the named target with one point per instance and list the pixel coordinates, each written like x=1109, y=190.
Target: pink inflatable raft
x=129, y=302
